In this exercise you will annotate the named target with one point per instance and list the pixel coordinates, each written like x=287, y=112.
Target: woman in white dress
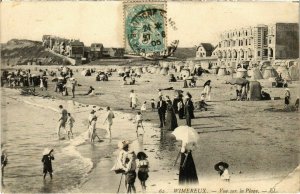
x=207, y=90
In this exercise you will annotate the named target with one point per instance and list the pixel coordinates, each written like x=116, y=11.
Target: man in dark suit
x=161, y=107
x=188, y=111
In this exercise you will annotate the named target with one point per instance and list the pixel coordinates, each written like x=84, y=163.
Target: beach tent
x=283, y=71
x=139, y=71
x=215, y=69
x=157, y=70
x=127, y=70
x=294, y=72
x=164, y=64
x=153, y=70
x=86, y=72
x=164, y=71
x=179, y=68
x=254, y=92
x=253, y=64
x=185, y=73
x=222, y=71
x=269, y=72
x=255, y=74
x=145, y=69
x=276, y=64
x=229, y=70
x=264, y=64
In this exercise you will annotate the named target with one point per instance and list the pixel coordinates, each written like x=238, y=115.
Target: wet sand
x=261, y=147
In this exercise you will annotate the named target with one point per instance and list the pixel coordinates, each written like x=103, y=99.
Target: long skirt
x=187, y=171
x=171, y=121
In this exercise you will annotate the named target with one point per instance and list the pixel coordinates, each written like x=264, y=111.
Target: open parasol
x=186, y=134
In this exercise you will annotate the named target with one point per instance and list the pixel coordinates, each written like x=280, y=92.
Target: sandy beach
x=261, y=146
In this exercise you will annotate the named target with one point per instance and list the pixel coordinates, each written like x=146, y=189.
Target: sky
x=102, y=21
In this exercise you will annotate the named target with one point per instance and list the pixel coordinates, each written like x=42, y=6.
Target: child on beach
x=139, y=122
x=144, y=108
x=222, y=168
x=143, y=166
x=153, y=104
x=70, y=122
x=47, y=158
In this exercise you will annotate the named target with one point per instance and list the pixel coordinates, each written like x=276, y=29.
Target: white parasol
x=186, y=134
x=46, y=151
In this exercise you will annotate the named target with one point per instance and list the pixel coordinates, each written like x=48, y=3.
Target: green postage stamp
x=145, y=31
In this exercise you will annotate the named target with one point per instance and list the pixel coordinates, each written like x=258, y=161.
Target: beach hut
x=157, y=70
x=283, y=71
x=254, y=92
x=230, y=70
x=86, y=72
x=255, y=74
x=164, y=71
x=294, y=72
x=153, y=70
x=145, y=69
x=139, y=71
x=215, y=69
x=185, y=73
x=164, y=64
x=269, y=72
x=241, y=72
x=222, y=71
x=127, y=70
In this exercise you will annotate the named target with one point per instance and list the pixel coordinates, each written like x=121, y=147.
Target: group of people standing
x=128, y=162
x=181, y=105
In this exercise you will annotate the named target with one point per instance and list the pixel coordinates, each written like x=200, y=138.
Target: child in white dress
x=144, y=107
x=139, y=122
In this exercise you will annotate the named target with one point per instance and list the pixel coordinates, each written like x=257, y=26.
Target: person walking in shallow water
x=109, y=119
x=3, y=164
x=47, y=158
x=62, y=119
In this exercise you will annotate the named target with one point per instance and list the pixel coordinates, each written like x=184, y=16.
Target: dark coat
x=161, y=109
x=187, y=170
x=171, y=120
x=47, y=163
x=189, y=109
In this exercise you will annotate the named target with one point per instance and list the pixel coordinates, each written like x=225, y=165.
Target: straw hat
x=287, y=89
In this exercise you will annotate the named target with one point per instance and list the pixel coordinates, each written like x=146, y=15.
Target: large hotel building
x=255, y=44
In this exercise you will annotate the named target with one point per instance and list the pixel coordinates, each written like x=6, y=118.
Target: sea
x=28, y=126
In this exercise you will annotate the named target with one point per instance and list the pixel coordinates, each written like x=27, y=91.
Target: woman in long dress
x=187, y=170
x=207, y=90
x=171, y=120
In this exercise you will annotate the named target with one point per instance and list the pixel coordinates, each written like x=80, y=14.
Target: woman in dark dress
x=171, y=120
x=178, y=105
x=187, y=170
x=47, y=157
x=192, y=108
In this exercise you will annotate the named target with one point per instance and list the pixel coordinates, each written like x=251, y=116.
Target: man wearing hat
x=161, y=108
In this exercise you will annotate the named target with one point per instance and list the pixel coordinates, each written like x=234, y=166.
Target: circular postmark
x=146, y=32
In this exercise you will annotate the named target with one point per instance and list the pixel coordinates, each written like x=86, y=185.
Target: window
x=265, y=52
x=258, y=53
x=246, y=42
x=270, y=41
